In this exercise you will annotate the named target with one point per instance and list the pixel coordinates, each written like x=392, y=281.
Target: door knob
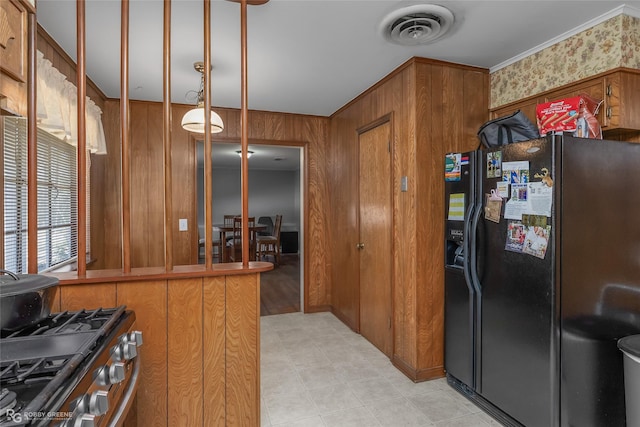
x=360, y=246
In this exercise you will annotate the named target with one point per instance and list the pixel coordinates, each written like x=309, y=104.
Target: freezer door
x=516, y=313
x=600, y=276
x=459, y=295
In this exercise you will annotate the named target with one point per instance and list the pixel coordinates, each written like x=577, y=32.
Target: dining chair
x=270, y=245
x=215, y=243
x=266, y=220
x=234, y=245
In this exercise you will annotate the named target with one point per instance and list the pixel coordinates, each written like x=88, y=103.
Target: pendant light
x=193, y=120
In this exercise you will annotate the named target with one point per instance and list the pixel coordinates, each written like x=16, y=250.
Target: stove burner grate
x=8, y=400
x=68, y=322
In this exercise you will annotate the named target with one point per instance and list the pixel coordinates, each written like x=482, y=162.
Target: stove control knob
x=112, y=374
x=116, y=373
x=85, y=420
x=136, y=337
x=99, y=402
x=125, y=351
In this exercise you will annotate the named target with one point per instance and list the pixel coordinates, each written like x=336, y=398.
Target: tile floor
x=316, y=372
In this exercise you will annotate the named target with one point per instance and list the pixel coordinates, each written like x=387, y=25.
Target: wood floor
x=280, y=287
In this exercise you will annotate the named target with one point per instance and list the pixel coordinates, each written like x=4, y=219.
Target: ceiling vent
x=417, y=24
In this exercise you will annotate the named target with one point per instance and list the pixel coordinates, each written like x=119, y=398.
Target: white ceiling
x=304, y=56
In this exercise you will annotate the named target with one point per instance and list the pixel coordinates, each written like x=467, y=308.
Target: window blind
x=57, y=198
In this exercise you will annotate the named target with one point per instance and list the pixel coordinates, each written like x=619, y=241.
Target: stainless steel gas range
x=70, y=369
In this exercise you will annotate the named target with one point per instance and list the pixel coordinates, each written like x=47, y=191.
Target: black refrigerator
x=542, y=277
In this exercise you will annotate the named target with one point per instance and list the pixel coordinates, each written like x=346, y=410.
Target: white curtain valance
x=57, y=108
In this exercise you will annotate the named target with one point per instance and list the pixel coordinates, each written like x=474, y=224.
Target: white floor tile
x=316, y=372
x=357, y=417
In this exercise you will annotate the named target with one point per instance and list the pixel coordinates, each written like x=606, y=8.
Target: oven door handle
x=128, y=396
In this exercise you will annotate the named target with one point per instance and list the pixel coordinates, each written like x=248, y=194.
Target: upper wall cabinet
x=13, y=57
x=13, y=32
x=619, y=90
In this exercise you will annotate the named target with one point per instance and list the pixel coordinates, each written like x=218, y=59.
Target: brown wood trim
x=251, y=2
x=374, y=124
x=81, y=168
x=124, y=136
x=244, y=132
x=305, y=230
x=399, y=70
x=417, y=375
x=208, y=173
x=158, y=273
x=344, y=320
x=32, y=148
x=318, y=309
x=56, y=47
x=166, y=139
x=30, y=7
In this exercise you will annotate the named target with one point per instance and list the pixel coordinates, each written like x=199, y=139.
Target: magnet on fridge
x=493, y=207
x=544, y=176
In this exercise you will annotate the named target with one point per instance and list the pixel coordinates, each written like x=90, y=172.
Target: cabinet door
x=528, y=107
x=13, y=35
x=623, y=100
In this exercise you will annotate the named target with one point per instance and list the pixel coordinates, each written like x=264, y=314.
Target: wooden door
x=375, y=236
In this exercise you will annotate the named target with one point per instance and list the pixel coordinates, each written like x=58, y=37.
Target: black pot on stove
x=25, y=299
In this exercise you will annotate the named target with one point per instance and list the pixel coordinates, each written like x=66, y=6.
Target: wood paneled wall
x=200, y=357
x=147, y=209
x=436, y=108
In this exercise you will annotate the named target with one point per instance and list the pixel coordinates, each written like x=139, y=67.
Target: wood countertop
x=159, y=273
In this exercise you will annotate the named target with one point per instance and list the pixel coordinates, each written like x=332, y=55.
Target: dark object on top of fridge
x=507, y=129
x=533, y=316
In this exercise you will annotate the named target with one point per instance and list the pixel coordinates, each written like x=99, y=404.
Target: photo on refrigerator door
x=494, y=164
x=536, y=241
x=516, y=232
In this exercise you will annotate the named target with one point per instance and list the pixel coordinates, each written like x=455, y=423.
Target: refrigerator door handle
x=473, y=254
x=467, y=264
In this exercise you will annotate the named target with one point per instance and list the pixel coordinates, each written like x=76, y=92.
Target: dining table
x=223, y=229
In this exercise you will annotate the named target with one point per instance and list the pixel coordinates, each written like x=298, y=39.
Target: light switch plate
x=182, y=224
x=404, y=183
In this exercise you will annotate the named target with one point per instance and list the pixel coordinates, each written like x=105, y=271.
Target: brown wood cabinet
x=200, y=357
x=434, y=107
x=618, y=89
x=13, y=57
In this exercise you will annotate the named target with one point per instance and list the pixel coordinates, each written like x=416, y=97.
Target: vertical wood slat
x=208, y=186
x=242, y=350
x=184, y=351
x=213, y=369
x=124, y=135
x=166, y=138
x=81, y=175
x=244, y=134
x=32, y=149
x=149, y=301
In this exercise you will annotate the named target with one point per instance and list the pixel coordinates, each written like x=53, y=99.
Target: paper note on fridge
x=456, y=207
x=533, y=198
